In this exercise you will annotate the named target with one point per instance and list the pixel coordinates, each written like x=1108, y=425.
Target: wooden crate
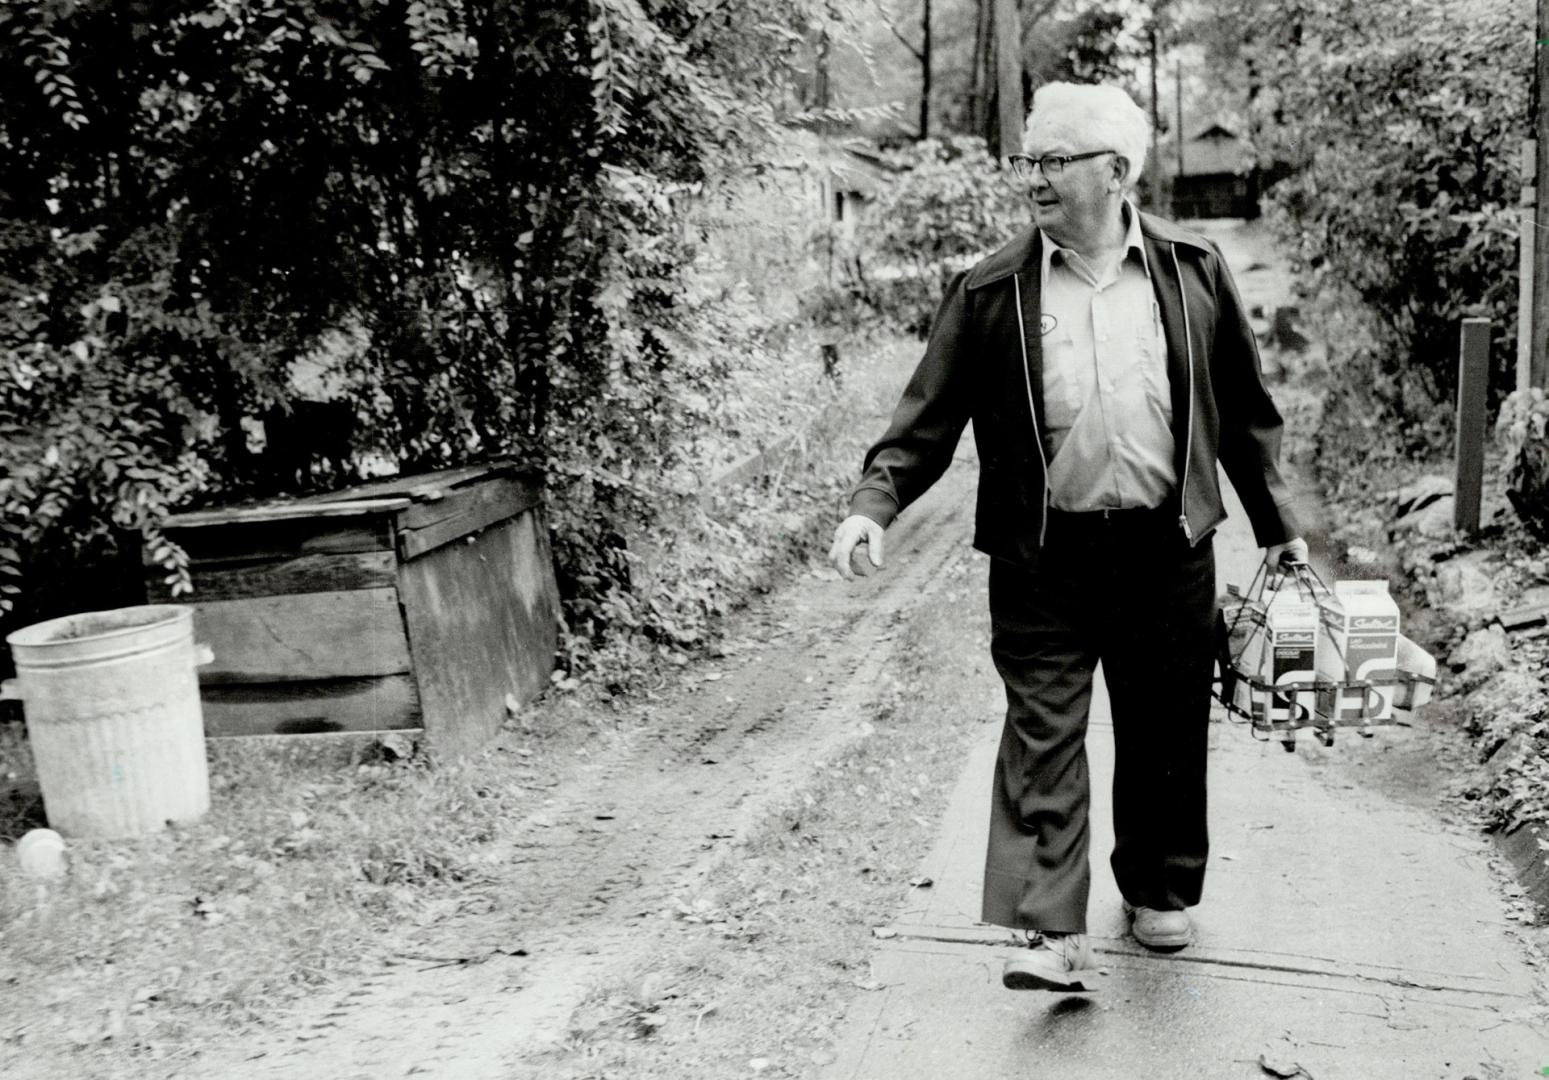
x=411, y=602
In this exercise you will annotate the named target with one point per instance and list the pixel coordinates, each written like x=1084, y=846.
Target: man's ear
x=1120, y=169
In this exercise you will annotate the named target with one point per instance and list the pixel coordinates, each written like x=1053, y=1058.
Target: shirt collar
x=1133, y=241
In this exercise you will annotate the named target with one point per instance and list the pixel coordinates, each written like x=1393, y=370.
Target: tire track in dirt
x=591, y=872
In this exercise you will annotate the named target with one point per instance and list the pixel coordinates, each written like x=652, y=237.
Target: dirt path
x=630, y=830
x=630, y=833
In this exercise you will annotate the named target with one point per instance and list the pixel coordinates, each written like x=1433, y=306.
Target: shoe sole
x=1076, y=981
x=1164, y=944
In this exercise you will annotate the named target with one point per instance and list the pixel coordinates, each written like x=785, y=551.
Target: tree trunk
x=820, y=91
x=1008, y=77
x=978, y=91
x=1154, y=167
x=1538, y=368
x=925, y=73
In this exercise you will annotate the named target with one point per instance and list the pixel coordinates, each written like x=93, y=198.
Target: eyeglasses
x=1051, y=164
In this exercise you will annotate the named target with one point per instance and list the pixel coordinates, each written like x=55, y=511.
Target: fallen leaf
x=1279, y=1068
x=883, y=932
x=920, y=883
x=868, y=984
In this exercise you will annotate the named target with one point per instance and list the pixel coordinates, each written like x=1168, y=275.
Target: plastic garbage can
x=111, y=700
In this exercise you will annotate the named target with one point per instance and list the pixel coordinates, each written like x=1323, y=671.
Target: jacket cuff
x=1282, y=529
x=878, y=505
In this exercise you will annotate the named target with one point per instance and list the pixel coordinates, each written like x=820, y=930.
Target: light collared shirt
x=1107, y=403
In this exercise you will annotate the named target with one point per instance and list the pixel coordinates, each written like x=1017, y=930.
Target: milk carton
x=1359, y=641
x=1241, y=645
x=1290, y=642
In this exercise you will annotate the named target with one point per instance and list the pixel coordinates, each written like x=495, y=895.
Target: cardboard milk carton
x=1290, y=641
x=1241, y=646
x=1359, y=641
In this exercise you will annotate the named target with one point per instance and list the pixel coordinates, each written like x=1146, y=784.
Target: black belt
x=1140, y=517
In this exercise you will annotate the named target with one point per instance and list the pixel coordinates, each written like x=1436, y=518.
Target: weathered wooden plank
x=264, y=541
x=303, y=636
x=385, y=703
x=1523, y=617
x=287, y=511
x=427, y=526
x=482, y=621
x=420, y=485
x=282, y=577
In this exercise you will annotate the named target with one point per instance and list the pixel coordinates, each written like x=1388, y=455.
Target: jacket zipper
x=1027, y=377
x=1188, y=446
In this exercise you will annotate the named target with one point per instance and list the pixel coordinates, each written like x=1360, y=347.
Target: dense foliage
x=470, y=215
x=947, y=204
x=1402, y=119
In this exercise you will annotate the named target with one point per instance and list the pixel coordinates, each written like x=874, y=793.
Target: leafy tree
x=473, y=209
x=1401, y=119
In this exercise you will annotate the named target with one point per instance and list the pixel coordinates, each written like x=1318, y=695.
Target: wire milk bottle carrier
x=1294, y=653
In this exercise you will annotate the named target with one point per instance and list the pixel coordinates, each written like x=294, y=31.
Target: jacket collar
x=1025, y=251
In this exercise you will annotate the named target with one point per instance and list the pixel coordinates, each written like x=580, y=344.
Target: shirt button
x=1107, y=386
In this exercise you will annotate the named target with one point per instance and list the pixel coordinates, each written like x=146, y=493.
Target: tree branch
x=1042, y=10
x=887, y=22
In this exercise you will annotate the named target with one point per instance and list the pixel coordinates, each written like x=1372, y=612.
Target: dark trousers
x=1124, y=588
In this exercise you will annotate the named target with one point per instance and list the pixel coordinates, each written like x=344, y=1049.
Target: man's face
x=1077, y=206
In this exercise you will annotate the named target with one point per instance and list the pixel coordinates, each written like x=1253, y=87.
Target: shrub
x=947, y=204
x=1401, y=123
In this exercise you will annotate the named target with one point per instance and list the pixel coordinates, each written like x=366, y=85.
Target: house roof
x=1214, y=150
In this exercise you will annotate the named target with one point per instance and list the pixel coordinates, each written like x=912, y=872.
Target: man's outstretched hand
x=852, y=531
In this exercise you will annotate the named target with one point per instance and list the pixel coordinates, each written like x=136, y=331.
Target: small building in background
x=854, y=171
x=1217, y=176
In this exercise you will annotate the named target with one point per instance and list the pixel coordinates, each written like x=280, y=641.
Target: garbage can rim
x=48, y=632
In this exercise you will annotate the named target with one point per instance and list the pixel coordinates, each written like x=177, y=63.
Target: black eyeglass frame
x=1022, y=164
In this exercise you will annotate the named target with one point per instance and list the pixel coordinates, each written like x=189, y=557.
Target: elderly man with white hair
x=1107, y=364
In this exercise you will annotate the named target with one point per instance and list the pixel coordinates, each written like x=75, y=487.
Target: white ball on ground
x=41, y=853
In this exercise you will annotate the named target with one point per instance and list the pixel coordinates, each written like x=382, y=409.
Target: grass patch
x=304, y=871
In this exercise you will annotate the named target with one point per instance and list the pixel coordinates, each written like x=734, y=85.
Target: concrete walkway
x=1340, y=932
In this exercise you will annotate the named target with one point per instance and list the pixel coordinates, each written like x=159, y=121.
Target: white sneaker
x=1052, y=963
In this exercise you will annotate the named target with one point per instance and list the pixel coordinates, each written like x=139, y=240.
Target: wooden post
x=1473, y=382
x=1539, y=360
x=1527, y=233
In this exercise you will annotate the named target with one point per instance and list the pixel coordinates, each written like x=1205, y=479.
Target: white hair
x=1108, y=113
